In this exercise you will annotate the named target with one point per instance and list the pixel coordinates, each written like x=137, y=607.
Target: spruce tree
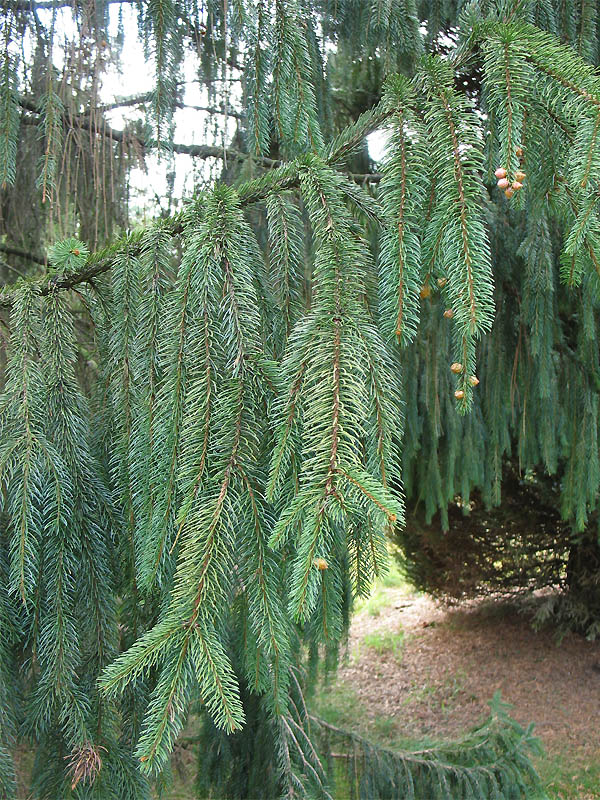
x=210, y=424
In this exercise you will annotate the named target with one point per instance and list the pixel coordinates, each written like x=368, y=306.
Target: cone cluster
x=505, y=184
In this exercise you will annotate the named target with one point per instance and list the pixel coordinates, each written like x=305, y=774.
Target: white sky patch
x=135, y=77
x=377, y=143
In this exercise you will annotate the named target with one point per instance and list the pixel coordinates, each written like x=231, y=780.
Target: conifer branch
x=590, y=152
x=564, y=81
x=402, y=198
x=9, y=124
x=291, y=410
x=276, y=180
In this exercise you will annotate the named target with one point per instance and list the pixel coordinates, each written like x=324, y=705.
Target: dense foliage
x=207, y=422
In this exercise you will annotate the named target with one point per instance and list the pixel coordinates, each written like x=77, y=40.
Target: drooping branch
x=281, y=176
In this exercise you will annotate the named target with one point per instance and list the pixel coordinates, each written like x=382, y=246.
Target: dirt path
x=452, y=661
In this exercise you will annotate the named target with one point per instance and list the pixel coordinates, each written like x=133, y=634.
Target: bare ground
x=454, y=660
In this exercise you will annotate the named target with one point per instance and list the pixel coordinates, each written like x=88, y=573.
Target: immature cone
x=517, y=185
x=459, y=394
x=520, y=175
x=425, y=291
x=473, y=380
x=500, y=172
x=519, y=152
x=321, y=564
x=503, y=183
x=456, y=368
x=441, y=282
x=449, y=313
x=509, y=192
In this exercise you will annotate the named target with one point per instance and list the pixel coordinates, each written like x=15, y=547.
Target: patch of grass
x=381, y=596
x=394, y=578
x=566, y=778
x=374, y=603
x=443, y=695
x=339, y=705
x=385, y=730
x=385, y=642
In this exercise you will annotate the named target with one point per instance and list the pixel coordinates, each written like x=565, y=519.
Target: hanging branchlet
x=259, y=114
x=74, y=602
x=167, y=46
x=124, y=380
x=9, y=120
x=51, y=129
x=509, y=82
x=328, y=367
x=10, y=621
x=457, y=226
x=26, y=452
x=148, y=356
x=403, y=193
x=540, y=315
x=180, y=307
x=398, y=22
x=586, y=44
x=296, y=120
x=286, y=264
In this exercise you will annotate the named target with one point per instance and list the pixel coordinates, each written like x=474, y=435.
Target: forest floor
x=417, y=669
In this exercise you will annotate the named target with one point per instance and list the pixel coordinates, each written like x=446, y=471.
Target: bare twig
x=17, y=251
